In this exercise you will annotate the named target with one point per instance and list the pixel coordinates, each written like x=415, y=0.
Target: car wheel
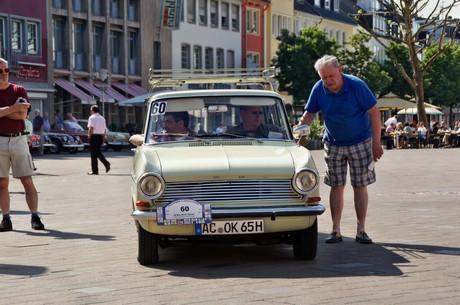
x=72, y=150
x=305, y=242
x=116, y=147
x=148, y=247
x=105, y=147
x=57, y=146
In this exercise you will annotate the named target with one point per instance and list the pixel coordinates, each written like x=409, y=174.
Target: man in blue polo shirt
x=351, y=138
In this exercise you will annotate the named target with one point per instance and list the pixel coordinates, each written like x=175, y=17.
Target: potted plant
x=316, y=134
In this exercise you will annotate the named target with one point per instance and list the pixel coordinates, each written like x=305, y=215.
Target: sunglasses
x=256, y=112
x=6, y=70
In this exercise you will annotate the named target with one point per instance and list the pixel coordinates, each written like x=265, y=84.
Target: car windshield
x=217, y=118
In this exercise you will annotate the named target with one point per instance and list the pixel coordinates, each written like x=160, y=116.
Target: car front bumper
x=252, y=212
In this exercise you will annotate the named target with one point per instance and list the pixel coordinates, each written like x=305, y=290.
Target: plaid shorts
x=358, y=156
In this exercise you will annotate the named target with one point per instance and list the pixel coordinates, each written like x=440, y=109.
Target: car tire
x=116, y=147
x=72, y=150
x=148, y=247
x=305, y=242
x=105, y=147
x=56, y=148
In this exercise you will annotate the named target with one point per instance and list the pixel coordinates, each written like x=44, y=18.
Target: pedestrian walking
x=351, y=139
x=14, y=150
x=96, y=134
x=39, y=125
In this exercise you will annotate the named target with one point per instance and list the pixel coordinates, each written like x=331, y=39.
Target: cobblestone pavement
x=88, y=253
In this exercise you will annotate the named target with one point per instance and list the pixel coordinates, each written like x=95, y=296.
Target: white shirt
x=98, y=123
x=391, y=120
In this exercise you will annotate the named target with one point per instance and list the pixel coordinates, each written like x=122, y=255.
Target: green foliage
x=442, y=80
x=296, y=56
x=316, y=130
x=399, y=85
x=359, y=62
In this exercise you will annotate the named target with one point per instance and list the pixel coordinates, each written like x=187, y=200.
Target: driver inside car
x=251, y=124
x=174, y=124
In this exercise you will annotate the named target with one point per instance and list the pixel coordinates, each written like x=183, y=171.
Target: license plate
x=231, y=227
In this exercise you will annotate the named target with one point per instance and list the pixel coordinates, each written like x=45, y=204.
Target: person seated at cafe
x=173, y=123
x=422, y=133
x=251, y=124
x=435, y=138
x=390, y=128
x=398, y=135
x=443, y=132
x=454, y=137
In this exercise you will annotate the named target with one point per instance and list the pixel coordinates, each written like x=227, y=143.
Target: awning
x=136, y=101
x=429, y=111
x=72, y=89
x=392, y=101
x=138, y=88
x=110, y=91
x=128, y=89
x=95, y=91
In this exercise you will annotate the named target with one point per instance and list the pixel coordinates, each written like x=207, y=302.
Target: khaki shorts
x=15, y=154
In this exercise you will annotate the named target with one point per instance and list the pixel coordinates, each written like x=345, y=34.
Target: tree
x=296, y=56
x=442, y=79
x=398, y=84
x=401, y=28
x=359, y=62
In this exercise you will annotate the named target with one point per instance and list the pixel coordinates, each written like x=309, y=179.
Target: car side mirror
x=302, y=131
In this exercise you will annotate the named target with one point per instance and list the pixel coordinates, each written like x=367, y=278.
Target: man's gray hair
x=326, y=61
x=2, y=60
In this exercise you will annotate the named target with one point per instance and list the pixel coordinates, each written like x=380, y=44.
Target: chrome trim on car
x=251, y=212
x=231, y=191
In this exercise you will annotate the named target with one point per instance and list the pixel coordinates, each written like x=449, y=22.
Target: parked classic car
x=217, y=183
x=57, y=142
x=113, y=139
x=34, y=140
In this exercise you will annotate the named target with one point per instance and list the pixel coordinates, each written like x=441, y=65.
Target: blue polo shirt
x=345, y=113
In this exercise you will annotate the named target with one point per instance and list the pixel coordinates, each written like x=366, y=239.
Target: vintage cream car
x=217, y=182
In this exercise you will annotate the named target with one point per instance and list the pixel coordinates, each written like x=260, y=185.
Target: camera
x=23, y=100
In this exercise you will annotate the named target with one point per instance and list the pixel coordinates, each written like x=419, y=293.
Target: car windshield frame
x=217, y=118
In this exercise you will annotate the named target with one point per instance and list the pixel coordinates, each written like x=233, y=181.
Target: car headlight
x=151, y=185
x=305, y=181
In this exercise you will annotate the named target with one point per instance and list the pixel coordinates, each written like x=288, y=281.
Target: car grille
x=232, y=191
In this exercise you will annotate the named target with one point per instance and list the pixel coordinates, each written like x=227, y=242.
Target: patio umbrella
x=392, y=101
x=430, y=111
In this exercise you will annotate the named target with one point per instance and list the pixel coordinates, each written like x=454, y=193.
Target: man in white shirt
x=96, y=135
x=391, y=120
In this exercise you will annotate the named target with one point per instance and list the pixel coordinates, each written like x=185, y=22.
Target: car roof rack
x=241, y=78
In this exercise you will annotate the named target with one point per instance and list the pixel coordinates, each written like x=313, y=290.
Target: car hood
x=221, y=162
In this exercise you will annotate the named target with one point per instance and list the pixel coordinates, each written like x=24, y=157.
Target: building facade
x=23, y=44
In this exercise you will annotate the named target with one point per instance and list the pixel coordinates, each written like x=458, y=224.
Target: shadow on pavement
x=68, y=235
x=346, y=259
x=23, y=270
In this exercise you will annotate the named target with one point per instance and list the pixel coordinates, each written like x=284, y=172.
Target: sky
x=455, y=13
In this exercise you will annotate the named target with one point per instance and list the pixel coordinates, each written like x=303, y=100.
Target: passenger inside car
x=175, y=124
x=252, y=118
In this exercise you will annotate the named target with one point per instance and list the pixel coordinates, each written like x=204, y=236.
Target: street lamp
x=103, y=76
